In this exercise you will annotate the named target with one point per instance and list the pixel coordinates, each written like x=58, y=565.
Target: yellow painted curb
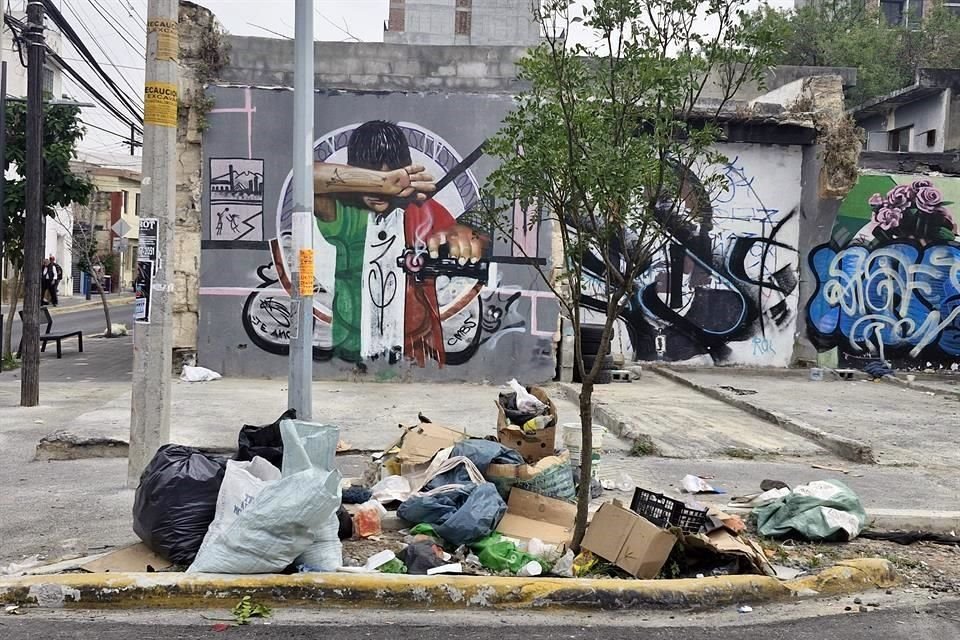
x=179, y=590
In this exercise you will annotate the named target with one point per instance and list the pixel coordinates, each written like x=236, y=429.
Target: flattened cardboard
x=533, y=447
x=419, y=443
x=530, y=515
x=133, y=559
x=628, y=540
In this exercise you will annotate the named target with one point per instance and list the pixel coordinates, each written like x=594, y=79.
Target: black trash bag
x=461, y=515
x=177, y=500
x=345, y=531
x=508, y=402
x=264, y=440
x=419, y=557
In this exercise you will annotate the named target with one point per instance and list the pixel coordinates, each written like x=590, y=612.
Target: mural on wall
x=236, y=199
x=888, y=282
x=406, y=278
x=724, y=285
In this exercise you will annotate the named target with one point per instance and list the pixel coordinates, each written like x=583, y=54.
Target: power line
x=114, y=24
x=119, y=66
x=96, y=41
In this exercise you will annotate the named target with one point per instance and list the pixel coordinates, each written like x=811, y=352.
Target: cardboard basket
x=533, y=447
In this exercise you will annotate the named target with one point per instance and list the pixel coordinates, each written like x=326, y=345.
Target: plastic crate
x=666, y=512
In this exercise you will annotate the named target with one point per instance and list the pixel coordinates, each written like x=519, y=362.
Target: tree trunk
x=106, y=307
x=14, y=291
x=586, y=463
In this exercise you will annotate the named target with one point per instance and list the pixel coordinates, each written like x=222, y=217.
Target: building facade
x=464, y=22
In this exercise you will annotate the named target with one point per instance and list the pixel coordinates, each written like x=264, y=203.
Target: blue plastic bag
x=460, y=515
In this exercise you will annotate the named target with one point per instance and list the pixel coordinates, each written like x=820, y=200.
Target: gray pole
x=153, y=318
x=33, y=226
x=299, y=385
x=3, y=184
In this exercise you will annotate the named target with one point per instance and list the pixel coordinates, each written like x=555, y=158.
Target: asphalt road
x=942, y=621
x=102, y=360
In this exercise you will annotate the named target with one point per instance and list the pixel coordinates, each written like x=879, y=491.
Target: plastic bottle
x=367, y=519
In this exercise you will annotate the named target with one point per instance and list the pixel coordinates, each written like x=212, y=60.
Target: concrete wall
x=886, y=281
x=725, y=287
x=490, y=326
x=923, y=115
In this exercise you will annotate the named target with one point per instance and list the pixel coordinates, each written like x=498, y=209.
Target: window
x=136, y=205
x=899, y=139
x=126, y=202
x=398, y=15
x=932, y=138
x=893, y=11
x=463, y=18
x=953, y=7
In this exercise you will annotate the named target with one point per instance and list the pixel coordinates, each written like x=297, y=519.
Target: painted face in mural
x=376, y=213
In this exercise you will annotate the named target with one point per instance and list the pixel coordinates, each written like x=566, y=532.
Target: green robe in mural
x=347, y=233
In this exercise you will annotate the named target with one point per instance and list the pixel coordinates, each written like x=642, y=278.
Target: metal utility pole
x=3, y=185
x=299, y=384
x=33, y=225
x=153, y=308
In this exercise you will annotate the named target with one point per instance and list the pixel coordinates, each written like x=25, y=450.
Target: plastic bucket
x=571, y=440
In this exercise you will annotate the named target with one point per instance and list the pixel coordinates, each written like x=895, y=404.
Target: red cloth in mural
x=423, y=333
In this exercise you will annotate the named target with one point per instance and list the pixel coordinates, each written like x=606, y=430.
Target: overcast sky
x=119, y=46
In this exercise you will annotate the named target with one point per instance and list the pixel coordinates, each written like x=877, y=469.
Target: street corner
x=64, y=445
x=848, y=577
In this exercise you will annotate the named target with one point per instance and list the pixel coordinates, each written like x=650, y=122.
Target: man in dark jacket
x=51, y=275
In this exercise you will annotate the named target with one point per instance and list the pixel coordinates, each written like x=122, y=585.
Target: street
x=800, y=622
x=103, y=360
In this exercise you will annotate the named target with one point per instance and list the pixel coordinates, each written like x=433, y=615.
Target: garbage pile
x=502, y=505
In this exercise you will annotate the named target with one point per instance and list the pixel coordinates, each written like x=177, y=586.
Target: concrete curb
x=613, y=421
x=92, y=304
x=920, y=386
x=847, y=448
x=179, y=590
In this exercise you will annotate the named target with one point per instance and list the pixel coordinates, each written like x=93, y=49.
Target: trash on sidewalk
x=717, y=519
x=292, y=518
x=198, y=374
x=824, y=510
x=696, y=484
x=460, y=514
x=391, y=489
x=759, y=499
x=263, y=440
x=720, y=553
x=135, y=558
x=177, y=500
x=910, y=537
x=416, y=447
x=533, y=444
x=572, y=434
x=484, y=453
x=366, y=520
x=422, y=556
x=373, y=564
x=551, y=477
x=666, y=512
x=500, y=555
x=629, y=541
x=530, y=515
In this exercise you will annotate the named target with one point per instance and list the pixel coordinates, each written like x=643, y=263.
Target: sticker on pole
x=168, y=38
x=306, y=272
x=141, y=292
x=147, y=241
x=160, y=104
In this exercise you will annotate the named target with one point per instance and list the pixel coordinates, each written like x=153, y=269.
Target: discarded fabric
x=825, y=510
x=460, y=514
x=198, y=374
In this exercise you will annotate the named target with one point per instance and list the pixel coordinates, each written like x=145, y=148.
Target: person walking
x=52, y=275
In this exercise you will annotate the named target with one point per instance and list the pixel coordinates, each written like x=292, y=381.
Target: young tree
x=610, y=138
x=62, y=131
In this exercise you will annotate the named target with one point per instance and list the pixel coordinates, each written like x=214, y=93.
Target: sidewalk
x=79, y=302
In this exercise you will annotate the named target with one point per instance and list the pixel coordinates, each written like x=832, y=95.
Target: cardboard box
x=135, y=558
x=415, y=448
x=530, y=515
x=628, y=540
x=533, y=447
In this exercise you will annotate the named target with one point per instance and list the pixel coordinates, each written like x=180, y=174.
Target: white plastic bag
x=291, y=517
x=526, y=401
x=242, y=483
x=392, y=489
x=198, y=374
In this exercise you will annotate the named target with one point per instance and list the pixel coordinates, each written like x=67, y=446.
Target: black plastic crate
x=666, y=512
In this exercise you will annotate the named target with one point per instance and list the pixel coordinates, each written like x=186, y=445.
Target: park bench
x=50, y=335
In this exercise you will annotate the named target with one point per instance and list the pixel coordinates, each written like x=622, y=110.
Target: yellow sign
x=160, y=104
x=168, y=38
x=306, y=272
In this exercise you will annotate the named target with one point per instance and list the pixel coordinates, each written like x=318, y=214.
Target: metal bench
x=50, y=335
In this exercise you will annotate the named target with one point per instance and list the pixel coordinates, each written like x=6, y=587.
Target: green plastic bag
x=826, y=510
x=497, y=554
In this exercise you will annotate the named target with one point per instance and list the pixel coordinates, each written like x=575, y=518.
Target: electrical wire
x=137, y=99
x=114, y=24
x=68, y=31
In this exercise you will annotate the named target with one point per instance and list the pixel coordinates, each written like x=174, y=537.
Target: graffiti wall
x=724, y=285
x=407, y=280
x=888, y=282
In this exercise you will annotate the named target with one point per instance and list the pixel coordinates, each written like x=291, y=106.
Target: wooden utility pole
x=153, y=308
x=34, y=224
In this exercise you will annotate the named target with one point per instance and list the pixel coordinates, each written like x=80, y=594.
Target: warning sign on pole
x=160, y=104
x=168, y=38
x=306, y=272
